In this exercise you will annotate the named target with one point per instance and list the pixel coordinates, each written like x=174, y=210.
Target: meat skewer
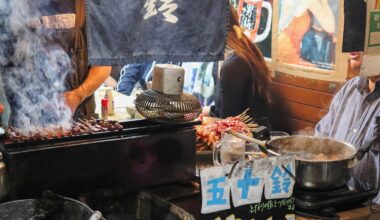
x=79, y=127
x=209, y=134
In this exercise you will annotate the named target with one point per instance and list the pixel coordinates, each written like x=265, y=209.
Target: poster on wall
x=372, y=43
x=265, y=30
x=256, y=18
x=370, y=65
x=308, y=32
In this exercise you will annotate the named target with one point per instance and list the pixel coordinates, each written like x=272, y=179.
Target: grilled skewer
x=79, y=127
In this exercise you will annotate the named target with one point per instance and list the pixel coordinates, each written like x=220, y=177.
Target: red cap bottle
x=105, y=108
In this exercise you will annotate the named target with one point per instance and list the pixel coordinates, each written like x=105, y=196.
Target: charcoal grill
x=144, y=153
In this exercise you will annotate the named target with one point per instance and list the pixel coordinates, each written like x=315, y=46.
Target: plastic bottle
x=105, y=109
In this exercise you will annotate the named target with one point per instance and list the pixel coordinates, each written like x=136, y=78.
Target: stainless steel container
x=168, y=79
x=3, y=180
x=48, y=207
x=312, y=171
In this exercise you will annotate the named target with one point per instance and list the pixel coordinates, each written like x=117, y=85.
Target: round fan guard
x=168, y=108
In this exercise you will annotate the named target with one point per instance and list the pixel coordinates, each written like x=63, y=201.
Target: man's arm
x=96, y=76
x=324, y=126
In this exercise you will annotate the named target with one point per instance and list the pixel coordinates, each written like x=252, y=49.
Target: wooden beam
x=301, y=95
x=307, y=83
x=298, y=111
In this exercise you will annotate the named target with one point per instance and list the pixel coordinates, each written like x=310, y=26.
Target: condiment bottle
x=105, y=109
x=110, y=101
x=3, y=179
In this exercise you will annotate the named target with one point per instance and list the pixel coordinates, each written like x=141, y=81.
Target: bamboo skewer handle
x=246, y=137
x=262, y=144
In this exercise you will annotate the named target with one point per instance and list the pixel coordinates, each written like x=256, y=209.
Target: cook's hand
x=73, y=99
x=1, y=108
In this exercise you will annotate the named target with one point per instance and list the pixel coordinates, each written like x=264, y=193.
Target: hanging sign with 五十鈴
x=130, y=31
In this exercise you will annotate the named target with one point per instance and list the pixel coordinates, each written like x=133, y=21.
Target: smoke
x=308, y=131
x=33, y=69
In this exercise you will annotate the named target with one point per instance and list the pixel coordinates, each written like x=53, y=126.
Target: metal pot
x=52, y=207
x=315, y=172
x=4, y=190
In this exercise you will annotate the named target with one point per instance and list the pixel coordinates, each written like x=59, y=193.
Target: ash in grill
x=79, y=127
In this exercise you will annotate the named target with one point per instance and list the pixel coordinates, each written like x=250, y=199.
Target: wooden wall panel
x=299, y=103
x=300, y=95
x=291, y=125
x=300, y=111
x=313, y=84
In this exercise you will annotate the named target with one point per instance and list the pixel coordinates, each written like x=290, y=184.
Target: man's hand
x=96, y=76
x=73, y=99
x=1, y=108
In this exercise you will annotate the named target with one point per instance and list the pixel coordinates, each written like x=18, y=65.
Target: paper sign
x=247, y=183
x=280, y=183
x=215, y=189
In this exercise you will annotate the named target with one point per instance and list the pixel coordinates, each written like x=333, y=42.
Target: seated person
x=354, y=118
x=353, y=109
x=244, y=79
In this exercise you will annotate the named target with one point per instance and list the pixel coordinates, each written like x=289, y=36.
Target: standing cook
x=61, y=23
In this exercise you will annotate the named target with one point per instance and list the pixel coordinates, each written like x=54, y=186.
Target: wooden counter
x=359, y=213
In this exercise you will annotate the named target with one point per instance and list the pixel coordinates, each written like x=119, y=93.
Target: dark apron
x=80, y=59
